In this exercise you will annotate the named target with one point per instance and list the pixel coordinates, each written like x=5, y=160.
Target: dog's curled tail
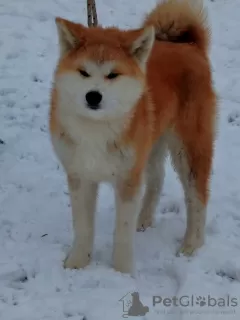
x=181, y=21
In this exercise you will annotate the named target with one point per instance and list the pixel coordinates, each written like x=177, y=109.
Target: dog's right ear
x=142, y=45
x=69, y=34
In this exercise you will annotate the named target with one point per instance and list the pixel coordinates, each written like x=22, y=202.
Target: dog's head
x=101, y=72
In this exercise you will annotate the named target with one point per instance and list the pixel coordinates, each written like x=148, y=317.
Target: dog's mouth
x=94, y=106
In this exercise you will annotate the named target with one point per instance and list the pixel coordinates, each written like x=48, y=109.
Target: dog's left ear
x=142, y=46
x=69, y=34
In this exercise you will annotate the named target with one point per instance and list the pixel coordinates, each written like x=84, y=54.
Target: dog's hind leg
x=154, y=182
x=192, y=159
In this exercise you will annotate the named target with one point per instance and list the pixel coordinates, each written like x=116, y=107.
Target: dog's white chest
x=90, y=156
x=93, y=161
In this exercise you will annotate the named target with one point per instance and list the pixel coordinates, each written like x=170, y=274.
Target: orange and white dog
x=120, y=100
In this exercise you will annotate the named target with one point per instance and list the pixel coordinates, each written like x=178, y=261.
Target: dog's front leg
x=128, y=201
x=83, y=200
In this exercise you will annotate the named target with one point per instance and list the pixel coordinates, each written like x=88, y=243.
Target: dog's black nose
x=93, y=99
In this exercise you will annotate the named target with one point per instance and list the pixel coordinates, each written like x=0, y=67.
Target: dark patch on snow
x=36, y=78
x=6, y=91
x=234, y=118
x=171, y=207
x=70, y=315
x=37, y=105
x=229, y=273
x=44, y=235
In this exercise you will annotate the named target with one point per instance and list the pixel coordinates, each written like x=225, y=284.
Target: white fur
x=89, y=160
x=126, y=221
x=83, y=199
x=119, y=95
x=89, y=157
x=85, y=156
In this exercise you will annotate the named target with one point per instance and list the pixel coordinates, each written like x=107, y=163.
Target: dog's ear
x=142, y=45
x=69, y=34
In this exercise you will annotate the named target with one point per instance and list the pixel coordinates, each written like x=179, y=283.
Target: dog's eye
x=113, y=75
x=84, y=73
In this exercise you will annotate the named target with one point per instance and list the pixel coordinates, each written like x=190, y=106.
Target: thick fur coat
x=120, y=100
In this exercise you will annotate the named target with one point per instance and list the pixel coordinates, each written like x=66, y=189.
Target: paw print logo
x=201, y=301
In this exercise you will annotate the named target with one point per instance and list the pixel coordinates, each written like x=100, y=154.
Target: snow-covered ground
x=35, y=219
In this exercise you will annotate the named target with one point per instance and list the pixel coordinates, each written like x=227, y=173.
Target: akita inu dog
x=120, y=99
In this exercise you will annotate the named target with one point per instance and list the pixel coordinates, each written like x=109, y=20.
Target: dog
x=120, y=100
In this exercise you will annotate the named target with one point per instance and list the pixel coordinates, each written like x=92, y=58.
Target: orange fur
x=181, y=21
x=179, y=79
x=178, y=95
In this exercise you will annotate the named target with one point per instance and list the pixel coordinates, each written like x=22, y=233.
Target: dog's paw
x=187, y=251
x=144, y=223
x=123, y=266
x=188, y=248
x=123, y=258
x=125, y=269
x=74, y=261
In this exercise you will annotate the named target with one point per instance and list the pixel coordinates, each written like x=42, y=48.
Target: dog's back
x=179, y=71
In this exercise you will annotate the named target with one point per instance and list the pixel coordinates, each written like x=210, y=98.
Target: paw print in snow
x=78, y=316
x=201, y=301
x=171, y=207
x=234, y=118
x=35, y=78
x=7, y=91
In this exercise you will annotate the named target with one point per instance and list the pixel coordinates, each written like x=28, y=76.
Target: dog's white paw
x=189, y=247
x=144, y=223
x=76, y=260
x=123, y=267
x=123, y=260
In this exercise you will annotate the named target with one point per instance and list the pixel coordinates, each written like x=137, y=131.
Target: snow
x=35, y=217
